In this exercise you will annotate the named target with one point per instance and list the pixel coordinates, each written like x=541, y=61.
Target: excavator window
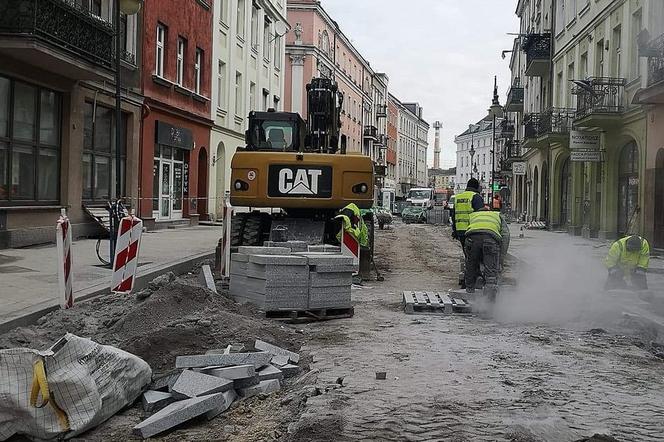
x=273, y=135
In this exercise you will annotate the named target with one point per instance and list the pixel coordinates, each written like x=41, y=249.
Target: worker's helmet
x=633, y=244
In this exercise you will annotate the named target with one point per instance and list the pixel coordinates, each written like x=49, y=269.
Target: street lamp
x=472, y=153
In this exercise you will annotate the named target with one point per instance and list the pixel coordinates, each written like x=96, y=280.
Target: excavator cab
x=275, y=132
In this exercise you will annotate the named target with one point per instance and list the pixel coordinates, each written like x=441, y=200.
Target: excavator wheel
x=237, y=227
x=266, y=226
x=252, y=235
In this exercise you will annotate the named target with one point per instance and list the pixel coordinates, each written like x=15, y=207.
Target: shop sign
x=585, y=146
x=519, y=168
x=590, y=155
x=185, y=180
x=173, y=136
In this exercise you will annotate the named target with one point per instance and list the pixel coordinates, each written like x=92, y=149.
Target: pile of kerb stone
x=278, y=278
x=208, y=384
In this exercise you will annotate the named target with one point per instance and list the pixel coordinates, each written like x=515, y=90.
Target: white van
x=421, y=196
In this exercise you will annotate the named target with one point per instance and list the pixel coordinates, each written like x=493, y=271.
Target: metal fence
x=438, y=216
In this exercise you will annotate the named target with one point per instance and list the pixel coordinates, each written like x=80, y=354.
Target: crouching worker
x=483, y=247
x=353, y=224
x=627, y=262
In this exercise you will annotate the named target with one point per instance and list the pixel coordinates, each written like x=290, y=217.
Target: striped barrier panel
x=63, y=240
x=125, y=261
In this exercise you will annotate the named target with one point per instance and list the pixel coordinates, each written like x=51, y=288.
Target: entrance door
x=565, y=200
x=659, y=199
x=171, y=176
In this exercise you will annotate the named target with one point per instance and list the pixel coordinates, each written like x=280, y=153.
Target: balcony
x=371, y=133
x=506, y=130
x=538, y=54
x=514, y=101
x=654, y=93
x=600, y=101
x=510, y=154
x=555, y=124
x=57, y=36
x=531, y=123
x=381, y=111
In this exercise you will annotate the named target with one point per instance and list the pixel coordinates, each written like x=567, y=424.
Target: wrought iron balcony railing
x=370, y=132
x=599, y=95
x=656, y=60
x=556, y=121
x=515, y=96
x=506, y=129
x=531, y=124
x=538, y=53
x=60, y=23
x=129, y=57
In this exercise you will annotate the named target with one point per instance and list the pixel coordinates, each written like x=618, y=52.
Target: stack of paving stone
x=328, y=248
x=294, y=246
x=330, y=280
x=208, y=384
x=269, y=277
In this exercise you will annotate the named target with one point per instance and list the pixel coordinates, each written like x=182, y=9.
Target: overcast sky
x=440, y=53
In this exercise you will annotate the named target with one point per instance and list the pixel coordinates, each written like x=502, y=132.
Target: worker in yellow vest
x=628, y=260
x=484, y=238
x=465, y=203
x=352, y=223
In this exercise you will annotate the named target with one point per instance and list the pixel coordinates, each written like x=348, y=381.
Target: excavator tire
x=237, y=228
x=266, y=227
x=252, y=235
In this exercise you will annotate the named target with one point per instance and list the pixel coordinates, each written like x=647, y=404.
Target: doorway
x=659, y=199
x=202, y=184
x=220, y=167
x=544, y=205
x=565, y=200
x=628, y=189
x=168, y=183
x=535, y=212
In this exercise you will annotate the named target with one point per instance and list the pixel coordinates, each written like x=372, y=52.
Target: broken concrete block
x=246, y=382
x=290, y=370
x=239, y=257
x=257, y=250
x=178, y=413
x=165, y=383
x=232, y=373
x=229, y=397
x=280, y=260
x=264, y=346
x=264, y=387
x=279, y=360
x=270, y=372
x=156, y=400
x=192, y=384
x=257, y=359
x=207, y=279
x=334, y=269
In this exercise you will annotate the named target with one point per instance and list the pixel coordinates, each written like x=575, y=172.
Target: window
x=267, y=39
x=560, y=13
x=571, y=10
x=29, y=143
x=252, y=96
x=276, y=103
x=583, y=68
x=483, y=158
x=277, y=52
x=238, y=94
x=599, y=59
x=92, y=6
x=240, y=18
x=266, y=97
x=179, y=75
x=223, y=10
x=617, y=52
x=161, y=48
x=254, y=26
x=124, y=45
x=221, y=85
x=98, y=171
x=570, y=76
x=198, y=70
x=636, y=30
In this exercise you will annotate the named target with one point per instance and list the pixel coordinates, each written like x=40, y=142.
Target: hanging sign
x=585, y=146
x=519, y=168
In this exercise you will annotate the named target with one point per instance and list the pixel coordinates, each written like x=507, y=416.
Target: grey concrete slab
x=207, y=278
x=232, y=373
x=275, y=350
x=326, y=259
x=264, y=387
x=290, y=370
x=280, y=360
x=192, y=384
x=156, y=400
x=239, y=258
x=334, y=269
x=165, y=383
x=278, y=259
x=257, y=359
x=229, y=397
x=257, y=250
x=246, y=382
x=270, y=372
x=178, y=413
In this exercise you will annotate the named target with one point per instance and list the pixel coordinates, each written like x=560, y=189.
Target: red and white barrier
x=226, y=238
x=125, y=261
x=63, y=241
x=350, y=247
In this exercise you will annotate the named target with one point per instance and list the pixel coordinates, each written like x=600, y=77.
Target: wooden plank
x=447, y=303
x=419, y=296
x=433, y=299
x=408, y=297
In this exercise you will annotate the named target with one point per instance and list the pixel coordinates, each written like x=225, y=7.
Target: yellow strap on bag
x=40, y=385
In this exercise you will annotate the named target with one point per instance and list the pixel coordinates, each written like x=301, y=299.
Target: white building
x=248, y=62
x=422, y=145
x=412, y=145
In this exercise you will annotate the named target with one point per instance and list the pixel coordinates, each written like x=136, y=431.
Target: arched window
x=324, y=42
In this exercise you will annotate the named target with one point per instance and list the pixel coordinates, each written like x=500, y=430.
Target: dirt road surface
x=467, y=378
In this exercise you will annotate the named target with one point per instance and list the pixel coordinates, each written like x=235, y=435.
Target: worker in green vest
x=465, y=203
x=352, y=223
x=484, y=238
x=628, y=261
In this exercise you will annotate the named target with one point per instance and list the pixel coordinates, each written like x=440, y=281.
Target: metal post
x=493, y=161
x=118, y=120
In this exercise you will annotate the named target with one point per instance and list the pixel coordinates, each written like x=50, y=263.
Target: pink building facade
x=318, y=48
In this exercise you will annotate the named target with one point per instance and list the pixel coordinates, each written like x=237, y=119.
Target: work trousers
x=481, y=248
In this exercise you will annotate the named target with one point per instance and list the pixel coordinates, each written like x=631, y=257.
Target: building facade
x=176, y=83
x=411, y=147
x=421, y=144
x=586, y=55
x=392, y=144
x=318, y=48
x=248, y=64
x=57, y=118
x=443, y=179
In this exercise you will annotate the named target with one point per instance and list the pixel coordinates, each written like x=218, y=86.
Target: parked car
x=414, y=214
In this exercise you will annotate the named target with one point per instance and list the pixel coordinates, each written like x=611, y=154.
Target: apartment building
x=248, y=64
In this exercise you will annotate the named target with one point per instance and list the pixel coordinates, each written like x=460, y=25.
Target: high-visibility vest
x=628, y=261
x=485, y=222
x=463, y=207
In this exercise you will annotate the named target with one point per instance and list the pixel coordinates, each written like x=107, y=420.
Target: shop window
x=98, y=161
x=30, y=145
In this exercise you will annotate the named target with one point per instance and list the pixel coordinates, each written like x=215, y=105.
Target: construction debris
x=192, y=384
x=156, y=400
x=207, y=279
x=273, y=349
x=258, y=360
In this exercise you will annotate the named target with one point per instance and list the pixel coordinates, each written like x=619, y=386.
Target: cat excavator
x=301, y=169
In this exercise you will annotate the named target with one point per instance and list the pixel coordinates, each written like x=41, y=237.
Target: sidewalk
x=29, y=282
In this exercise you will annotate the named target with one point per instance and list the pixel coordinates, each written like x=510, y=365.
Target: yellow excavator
x=301, y=169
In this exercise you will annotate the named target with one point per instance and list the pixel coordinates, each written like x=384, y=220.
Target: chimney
x=436, y=146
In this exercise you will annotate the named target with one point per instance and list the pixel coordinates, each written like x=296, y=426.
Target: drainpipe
x=549, y=166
